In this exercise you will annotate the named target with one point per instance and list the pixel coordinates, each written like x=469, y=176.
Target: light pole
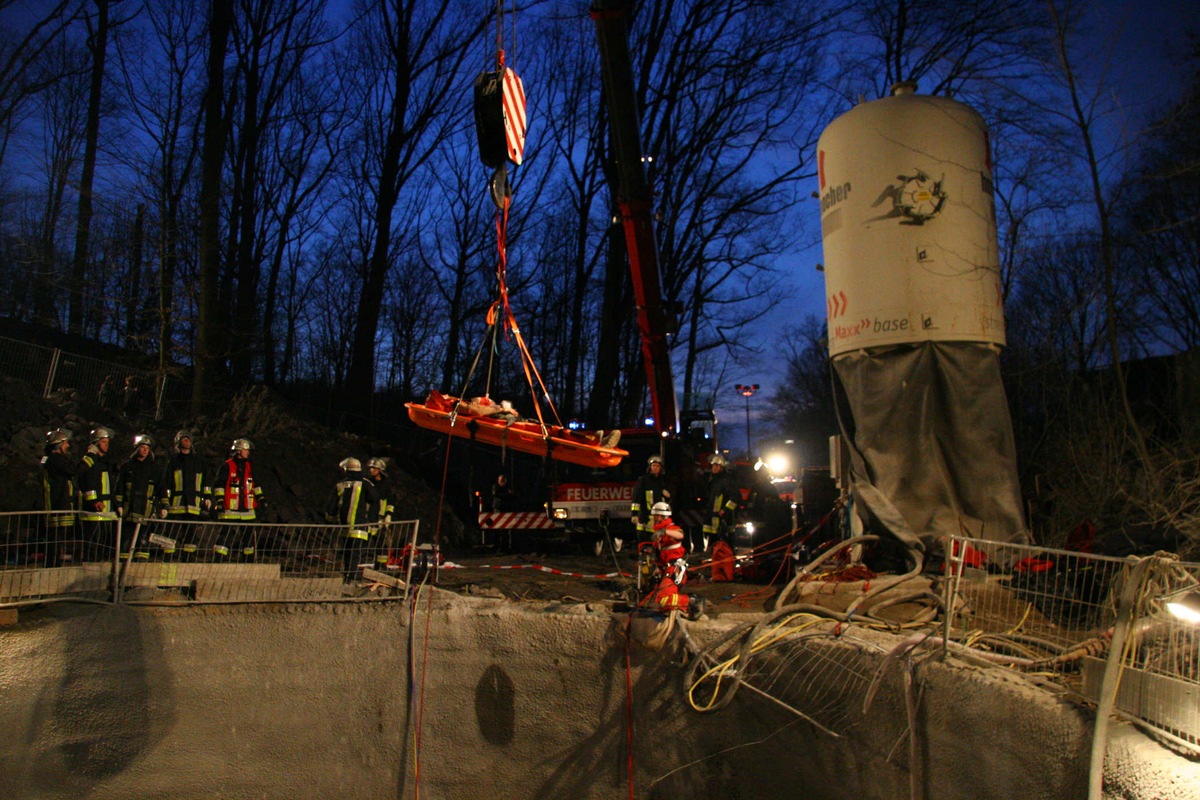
x=747, y=391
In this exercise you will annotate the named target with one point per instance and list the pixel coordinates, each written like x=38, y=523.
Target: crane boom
x=654, y=319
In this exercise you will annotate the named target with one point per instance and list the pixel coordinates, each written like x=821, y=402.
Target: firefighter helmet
x=351, y=464
x=57, y=436
x=181, y=435
x=652, y=460
x=378, y=463
x=718, y=460
x=143, y=439
x=242, y=444
x=99, y=433
x=661, y=508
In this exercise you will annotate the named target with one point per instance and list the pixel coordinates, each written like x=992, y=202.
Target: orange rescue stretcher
x=438, y=413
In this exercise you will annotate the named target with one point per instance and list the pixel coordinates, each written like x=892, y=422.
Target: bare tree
x=211, y=163
x=947, y=46
x=802, y=408
x=23, y=46
x=271, y=42
x=1163, y=221
x=98, y=28
x=414, y=56
x=62, y=108
x=162, y=88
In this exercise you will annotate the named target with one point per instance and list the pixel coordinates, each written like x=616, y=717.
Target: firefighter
x=377, y=473
x=185, y=494
x=58, y=494
x=96, y=483
x=672, y=565
x=721, y=501
x=354, y=504
x=236, y=498
x=137, y=483
x=651, y=488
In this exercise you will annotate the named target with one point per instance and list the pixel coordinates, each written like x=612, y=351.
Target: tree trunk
x=98, y=46
x=212, y=159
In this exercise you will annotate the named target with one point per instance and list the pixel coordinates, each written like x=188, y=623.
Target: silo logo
x=918, y=198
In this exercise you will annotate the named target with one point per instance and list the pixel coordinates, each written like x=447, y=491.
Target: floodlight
x=1186, y=605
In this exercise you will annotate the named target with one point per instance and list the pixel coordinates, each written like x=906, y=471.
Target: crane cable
x=509, y=322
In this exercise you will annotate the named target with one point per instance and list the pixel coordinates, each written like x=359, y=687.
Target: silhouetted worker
x=108, y=394
x=355, y=505
x=131, y=398
x=502, y=496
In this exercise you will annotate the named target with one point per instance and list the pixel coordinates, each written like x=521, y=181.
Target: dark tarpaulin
x=931, y=441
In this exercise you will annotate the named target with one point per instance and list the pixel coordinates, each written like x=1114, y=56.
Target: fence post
x=1127, y=609
x=118, y=588
x=158, y=397
x=954, y=568
x=50, y=373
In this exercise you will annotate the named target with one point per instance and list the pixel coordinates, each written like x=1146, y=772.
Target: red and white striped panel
x=515, y=122
x=515, y=520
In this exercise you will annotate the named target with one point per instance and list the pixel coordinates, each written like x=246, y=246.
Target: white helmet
x=652, y=460
x=377, y=463
x=661, y=508
x=241, y=444
x=143, y=439
x=351, y=464
x=99, y=433
x=718, y=460
x=58, y=436
x=181, y=435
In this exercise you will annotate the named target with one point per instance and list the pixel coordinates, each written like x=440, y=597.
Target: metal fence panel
x=48, y=556
x=1054, y=611
x=1160, y=675
x=54, y=556
x=1047, y=607
x=213, y=562
x=27, y=362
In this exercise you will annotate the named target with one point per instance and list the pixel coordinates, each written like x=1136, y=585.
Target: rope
x=437, y=534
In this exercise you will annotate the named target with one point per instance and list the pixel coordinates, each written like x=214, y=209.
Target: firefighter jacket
x=383, y=490
x=137, y=484
x=672, y=554
x=650, y=489
x=355, y=504
x=97, y=482
x=184, y=486
x=721, y=502
x=235, y=494
x=58, y=488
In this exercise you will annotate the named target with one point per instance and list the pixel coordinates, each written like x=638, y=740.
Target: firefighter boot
x=696, y=606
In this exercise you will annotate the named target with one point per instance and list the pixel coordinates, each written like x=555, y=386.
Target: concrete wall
x=519, y=701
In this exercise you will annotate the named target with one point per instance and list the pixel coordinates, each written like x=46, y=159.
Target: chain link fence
x=55, y=556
